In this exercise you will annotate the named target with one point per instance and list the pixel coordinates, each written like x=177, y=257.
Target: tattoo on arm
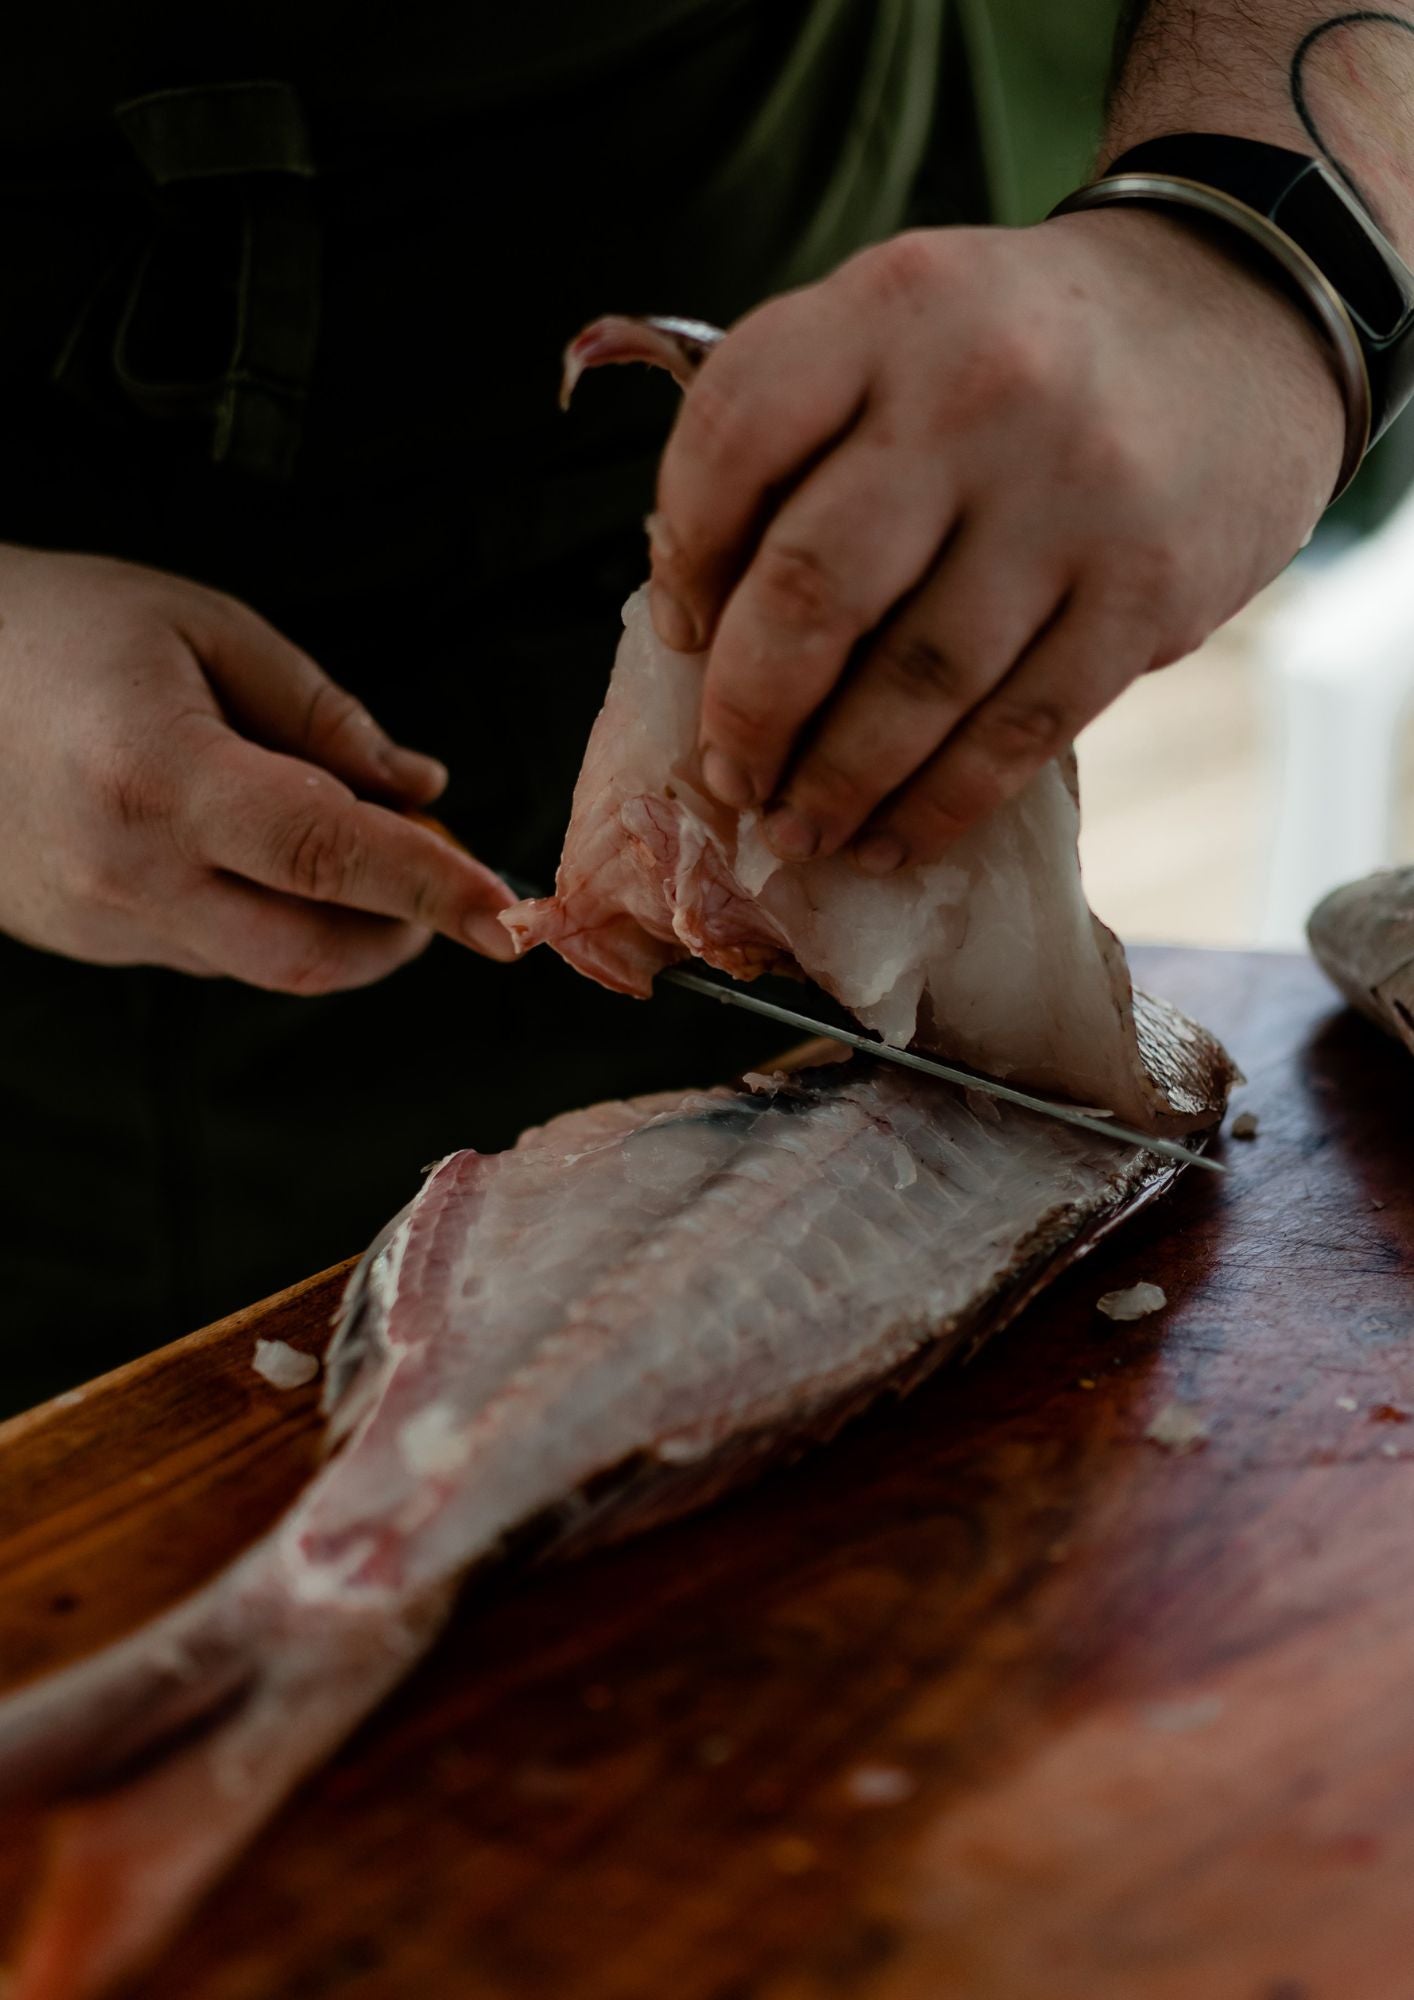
x=1201, y=65
x=1309, y=46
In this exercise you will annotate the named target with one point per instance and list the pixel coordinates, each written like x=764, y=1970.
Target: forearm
x=1297, y=73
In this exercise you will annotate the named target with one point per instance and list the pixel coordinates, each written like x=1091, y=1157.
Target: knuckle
x=96, y=878
x=220, y=602
x=1010, y=373
x=905, y=269
x=220, y=615
x=926, y=822
x=321, y=857
x=797, y=590
x=425, y=903
x=714, y=425
x=307, y=975
x=1116, y=458
x=331, y=712
x=672, y=564
x=1029, y=731
x=943, y=809
x=733, y=717
x=110, y=861
x=919, y=667
x=127, y=789
x=1147, y=590
x=1153, y=570
x=1018, y=360
x=1179, y=638
x=828, y=790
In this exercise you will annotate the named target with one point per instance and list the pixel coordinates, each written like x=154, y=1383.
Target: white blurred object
x=1338, y=657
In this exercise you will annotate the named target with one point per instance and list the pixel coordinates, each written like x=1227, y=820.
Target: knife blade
x=732, y=995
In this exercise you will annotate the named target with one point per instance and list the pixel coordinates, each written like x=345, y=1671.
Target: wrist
x=1232, y=316
x=1299, y=222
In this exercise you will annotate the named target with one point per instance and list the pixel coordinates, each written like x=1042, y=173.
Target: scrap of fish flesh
x=608, y=1323
x=1134, y=1302
x=990, y=956
x=1363, y=937
x=283, y=1366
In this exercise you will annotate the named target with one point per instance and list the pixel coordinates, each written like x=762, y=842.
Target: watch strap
x=1317, y=239
x=1310, y=202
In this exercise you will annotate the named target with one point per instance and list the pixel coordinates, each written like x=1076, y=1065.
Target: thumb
x=275, y=694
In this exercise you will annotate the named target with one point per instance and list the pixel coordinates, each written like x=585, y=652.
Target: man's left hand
x=934, y=513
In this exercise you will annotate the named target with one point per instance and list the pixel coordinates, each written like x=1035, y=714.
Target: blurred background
x=1224, y=796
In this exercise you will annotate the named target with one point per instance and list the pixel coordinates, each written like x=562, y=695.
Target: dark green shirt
x=408, y=220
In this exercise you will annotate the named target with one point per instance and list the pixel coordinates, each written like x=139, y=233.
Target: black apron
x=296, y=335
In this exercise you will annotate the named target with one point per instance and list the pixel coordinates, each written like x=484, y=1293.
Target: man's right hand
x=181, y=786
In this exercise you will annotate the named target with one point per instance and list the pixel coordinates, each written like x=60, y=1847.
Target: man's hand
x=934, y=513
x=180, y=786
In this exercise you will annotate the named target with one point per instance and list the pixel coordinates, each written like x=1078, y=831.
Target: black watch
x=1316, y=237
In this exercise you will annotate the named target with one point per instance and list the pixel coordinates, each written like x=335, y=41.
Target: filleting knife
x=1069, y=1114
x=731, y=994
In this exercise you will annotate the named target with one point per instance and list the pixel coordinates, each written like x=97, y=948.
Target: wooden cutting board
x=995, y=1698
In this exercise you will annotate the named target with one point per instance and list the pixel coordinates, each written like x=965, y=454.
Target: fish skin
x=678, y=345
x=549, y=1335
x=1362, y=936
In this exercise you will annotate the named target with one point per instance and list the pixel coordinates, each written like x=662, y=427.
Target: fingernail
x=726, y=780
x=880, y=853
x=673, y=622
x=484, y=934
x=790, y=835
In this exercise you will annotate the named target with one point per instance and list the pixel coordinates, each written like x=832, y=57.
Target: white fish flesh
x=609, y=1323
x=990, y=956
x=1363, y=937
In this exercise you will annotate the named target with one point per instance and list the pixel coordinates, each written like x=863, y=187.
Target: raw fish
x=1363, y=936
x=635, y=1306
x=609, y=1323
x=990, y=956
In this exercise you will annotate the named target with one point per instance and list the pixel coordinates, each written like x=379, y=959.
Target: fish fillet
x=597, y=1329
x=990, y=956
x=1363, y=937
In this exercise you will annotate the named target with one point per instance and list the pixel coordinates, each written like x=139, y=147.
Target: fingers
x=277, y=694
x=779, y=388
x=1077, y=665
x=935, y=659
x=855, y=537
x=288, y=946
x=274, y=821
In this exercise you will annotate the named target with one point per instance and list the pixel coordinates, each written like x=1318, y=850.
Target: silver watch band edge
x=1326, y=305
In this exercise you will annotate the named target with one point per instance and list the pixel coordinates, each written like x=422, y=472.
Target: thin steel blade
x=869, y=1045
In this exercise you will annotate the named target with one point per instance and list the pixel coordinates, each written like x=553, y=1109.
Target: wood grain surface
x=996, y=1697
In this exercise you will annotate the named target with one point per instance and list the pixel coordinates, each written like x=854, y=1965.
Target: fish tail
x=124, y=1863
x=97, y=1716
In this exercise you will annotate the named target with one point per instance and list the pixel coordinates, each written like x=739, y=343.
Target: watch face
x=1332, y=227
